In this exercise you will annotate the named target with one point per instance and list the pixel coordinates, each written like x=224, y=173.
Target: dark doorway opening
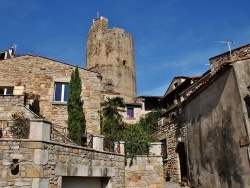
x=180, y=149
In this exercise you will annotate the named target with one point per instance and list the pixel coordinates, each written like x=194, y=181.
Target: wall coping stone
x=40, y=120
x=58, y=143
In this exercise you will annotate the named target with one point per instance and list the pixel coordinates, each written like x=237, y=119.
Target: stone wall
x=38, y=75
x=62, y=160
x=174, y=133
x=146, y=171
x=217, y=61
x=10, y=104
x=42, y=164
x=111, y=53
x=216, y=123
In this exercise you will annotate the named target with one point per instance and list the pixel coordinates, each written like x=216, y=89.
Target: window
x=61, y=92
x=130, y=112
x=124, y=62
x=6, y=90
x=109, y=87
x=175, y=85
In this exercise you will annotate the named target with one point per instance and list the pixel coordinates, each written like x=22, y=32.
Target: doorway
x=180, y=150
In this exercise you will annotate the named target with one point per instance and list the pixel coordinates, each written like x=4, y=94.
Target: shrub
x=20, y=127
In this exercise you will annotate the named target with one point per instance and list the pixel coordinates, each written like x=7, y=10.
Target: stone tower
x=111, y=53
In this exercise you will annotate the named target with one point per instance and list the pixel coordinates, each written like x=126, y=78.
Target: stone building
x=111, y=53
x=172, y=128
x=47, y=158
x=142, y=106
x=207, y=121
x=217, y=123
x=49, y=79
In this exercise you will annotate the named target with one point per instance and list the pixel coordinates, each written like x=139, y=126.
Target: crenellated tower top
x=111, y=53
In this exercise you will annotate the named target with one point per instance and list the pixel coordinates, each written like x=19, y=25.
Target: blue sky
x=171, y=37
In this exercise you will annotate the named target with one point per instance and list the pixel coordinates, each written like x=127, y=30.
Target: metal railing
x=59, y=134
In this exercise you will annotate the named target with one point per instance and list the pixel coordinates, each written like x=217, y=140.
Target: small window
x=130, y=112
x=109, y=87
x=61, y=92
x=175, y=85
x=6, y=90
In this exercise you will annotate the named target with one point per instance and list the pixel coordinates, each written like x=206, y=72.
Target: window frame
x=129, y=111
x=109, y=87
x=5, y=90
x=62, y=94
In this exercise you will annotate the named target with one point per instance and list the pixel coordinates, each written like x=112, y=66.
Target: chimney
x=7, y=54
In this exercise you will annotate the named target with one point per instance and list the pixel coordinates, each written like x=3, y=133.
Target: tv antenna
x=228, y=43
x=14, y=47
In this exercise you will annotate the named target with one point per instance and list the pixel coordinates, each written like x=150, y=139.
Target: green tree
x=138, y=136
x=76, y=118
x=149, y=123
x=111, y=119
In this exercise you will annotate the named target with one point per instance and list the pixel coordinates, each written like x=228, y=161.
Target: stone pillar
x=155, y=148
x=143, y=105
x=122, y=147
x=98, y=142
x=18, y=90
x=40, y=130
x=116, y=147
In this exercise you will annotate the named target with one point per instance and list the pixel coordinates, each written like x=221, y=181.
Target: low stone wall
x=38, y=162
x=10, y=104
x=42, y=164
x=146, y=172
